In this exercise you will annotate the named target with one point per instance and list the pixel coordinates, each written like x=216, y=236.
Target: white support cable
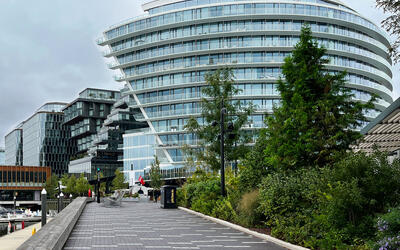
x=138, y=103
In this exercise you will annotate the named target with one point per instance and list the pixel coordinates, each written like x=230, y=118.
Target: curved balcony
x=365, y=70
x=370, y=58
x=334, y=15
x=351, y=37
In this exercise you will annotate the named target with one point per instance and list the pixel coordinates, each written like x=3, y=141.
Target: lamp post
x=98, y=185
x=44, y=206
x=231, y=135
x=222, y=125
x=222, y=145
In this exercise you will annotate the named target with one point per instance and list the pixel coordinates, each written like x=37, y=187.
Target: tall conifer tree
x=316, y=118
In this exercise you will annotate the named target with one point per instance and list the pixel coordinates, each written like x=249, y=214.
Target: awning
x=383, y=132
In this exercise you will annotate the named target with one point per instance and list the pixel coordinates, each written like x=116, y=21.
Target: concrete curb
x=55, y=233
x=245, y=230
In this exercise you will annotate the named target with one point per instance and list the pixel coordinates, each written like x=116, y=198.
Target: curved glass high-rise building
x=165, y=54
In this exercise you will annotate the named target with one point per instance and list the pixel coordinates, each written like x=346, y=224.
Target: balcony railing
x=176, y=112
x=180, y=143
x=100, y=40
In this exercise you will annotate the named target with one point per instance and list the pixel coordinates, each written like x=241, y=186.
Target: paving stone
x=144, y=225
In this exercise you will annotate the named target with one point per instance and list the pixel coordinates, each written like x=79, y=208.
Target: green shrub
x=334, y=207
x=359, y=188
x=233, y=190
x=388, y=226
x=181, y=197
x=248, y=208
x=223, y=209
x=202, y=193
x=288, y=201
x=202, y=196
x=254, y=166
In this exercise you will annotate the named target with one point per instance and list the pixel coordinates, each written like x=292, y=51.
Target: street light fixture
x=98, y=185
x=230, y=128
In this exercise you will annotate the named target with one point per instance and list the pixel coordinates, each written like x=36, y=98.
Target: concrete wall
x=55, y=233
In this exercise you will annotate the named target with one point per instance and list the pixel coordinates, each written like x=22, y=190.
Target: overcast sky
x=48, y=51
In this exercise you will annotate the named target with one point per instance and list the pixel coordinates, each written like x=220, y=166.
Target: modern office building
x=105, y=148
x=42, y=139
x=2, y=156
x=13, y=147
x=85, y=116
x=165, y=54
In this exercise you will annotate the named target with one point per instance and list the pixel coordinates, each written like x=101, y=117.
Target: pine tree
x=317, y=118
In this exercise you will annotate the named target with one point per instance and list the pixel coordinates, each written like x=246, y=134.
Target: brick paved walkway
x=143, y=225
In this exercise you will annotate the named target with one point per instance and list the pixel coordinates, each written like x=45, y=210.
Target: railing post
x=61, y=201
x=44, y=206
x=58, y=203
x=15, y=201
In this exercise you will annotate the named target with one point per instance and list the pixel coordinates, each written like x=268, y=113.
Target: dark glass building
x=105, y=150
x=85, y=116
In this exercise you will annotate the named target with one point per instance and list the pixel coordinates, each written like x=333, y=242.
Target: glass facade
x=165, y=54
x=139, y=151
x=101, y=141
x=13, y=147
x=45, y=139
x=88, y=166
x=85, y=116
x=2, y=157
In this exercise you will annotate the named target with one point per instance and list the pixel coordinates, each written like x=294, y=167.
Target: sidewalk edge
x=245, y=230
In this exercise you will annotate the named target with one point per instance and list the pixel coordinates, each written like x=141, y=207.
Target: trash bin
x=168, y=196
